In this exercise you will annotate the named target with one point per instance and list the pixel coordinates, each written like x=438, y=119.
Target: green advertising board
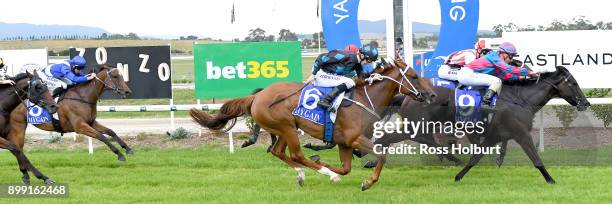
x=230, y=70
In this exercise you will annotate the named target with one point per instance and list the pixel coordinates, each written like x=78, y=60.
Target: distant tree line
x=577, y=23
x=567, y=114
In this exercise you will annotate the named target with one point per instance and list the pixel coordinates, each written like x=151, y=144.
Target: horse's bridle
x=403, y=71
x=114, y=86
x=17, y=90
x=378, y=77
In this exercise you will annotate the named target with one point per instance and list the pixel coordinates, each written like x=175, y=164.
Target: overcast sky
x=211, y=18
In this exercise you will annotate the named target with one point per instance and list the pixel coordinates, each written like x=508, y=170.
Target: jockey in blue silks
x=334, y=69
x=69, y=72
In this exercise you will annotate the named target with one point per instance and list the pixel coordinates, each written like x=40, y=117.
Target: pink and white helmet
x=507, y=47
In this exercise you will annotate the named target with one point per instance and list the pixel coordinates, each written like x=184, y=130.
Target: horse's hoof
x=499, y=162
x=269, y=149
x=129, y=152
x=26, y=181
x=300, y=180
x=551, y=181
x=49, y=181
x=121, y=158
x=245, y=144
x=440, y=157
x=365, y=185
x=335, y=178
x=316, y=158
x=370, y=164
x=457, y=178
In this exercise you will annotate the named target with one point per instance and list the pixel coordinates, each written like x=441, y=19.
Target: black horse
x=516, y=107
x=26, y=87
x=514, y=112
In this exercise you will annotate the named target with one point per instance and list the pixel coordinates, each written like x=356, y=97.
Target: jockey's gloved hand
x=91, y=76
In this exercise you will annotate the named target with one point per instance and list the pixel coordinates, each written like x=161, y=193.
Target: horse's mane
x=19, y=76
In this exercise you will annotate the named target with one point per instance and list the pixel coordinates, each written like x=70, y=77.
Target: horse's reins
x=20, y=97
x=114, y=88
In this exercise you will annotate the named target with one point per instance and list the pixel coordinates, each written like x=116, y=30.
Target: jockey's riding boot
x=487, y=99
x=56, y=92
x=326, y=102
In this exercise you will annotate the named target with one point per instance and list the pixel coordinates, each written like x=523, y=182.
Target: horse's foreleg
x=83, y=128
x=523, y=137
x=24, y=163
x=502, y=153
x=105, y=130
x=365, y=144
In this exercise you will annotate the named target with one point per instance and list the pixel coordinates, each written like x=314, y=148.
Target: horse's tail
x=230, y=110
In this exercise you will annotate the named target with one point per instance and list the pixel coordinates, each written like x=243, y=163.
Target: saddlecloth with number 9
x=229, y=70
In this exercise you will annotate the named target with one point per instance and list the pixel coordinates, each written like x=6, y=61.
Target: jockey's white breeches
x=325, y=79
x=467, y=76
x=446, y=72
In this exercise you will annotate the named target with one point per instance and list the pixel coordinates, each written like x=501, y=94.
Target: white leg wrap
x=300, y=172
x=332, y=175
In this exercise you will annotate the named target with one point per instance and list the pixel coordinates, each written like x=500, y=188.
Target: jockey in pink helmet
x=491, y=69
x=352, y=48
x=459, y=59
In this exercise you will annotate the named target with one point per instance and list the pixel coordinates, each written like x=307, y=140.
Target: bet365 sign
x=231, y=70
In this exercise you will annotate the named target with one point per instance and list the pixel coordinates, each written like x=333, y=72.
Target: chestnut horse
x=27, y=87
x=77, y=110
x=351, y=123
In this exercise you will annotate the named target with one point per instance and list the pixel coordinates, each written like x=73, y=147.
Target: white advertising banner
x=587, y=54
x=15, y=59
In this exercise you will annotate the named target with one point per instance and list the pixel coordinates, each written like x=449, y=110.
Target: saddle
x=467, y=99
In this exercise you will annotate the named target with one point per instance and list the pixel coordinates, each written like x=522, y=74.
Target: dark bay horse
x=516, y=107
x=27, y=87
x=77, y=110
x=351, y=122
x=513, y=119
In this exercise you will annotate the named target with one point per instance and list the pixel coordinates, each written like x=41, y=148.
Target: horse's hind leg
x=278, y=150
x=488, y=142
x=346, y=156
x=85, y=129
x=297, y=155
x=255, y=134
x=105, y=130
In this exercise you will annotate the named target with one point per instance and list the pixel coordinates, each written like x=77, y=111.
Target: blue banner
x=419, y=63
x=339, y=20
x=458, y=31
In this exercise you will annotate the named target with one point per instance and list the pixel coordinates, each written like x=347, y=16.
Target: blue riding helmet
x=371, y=53
x=78, y=62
